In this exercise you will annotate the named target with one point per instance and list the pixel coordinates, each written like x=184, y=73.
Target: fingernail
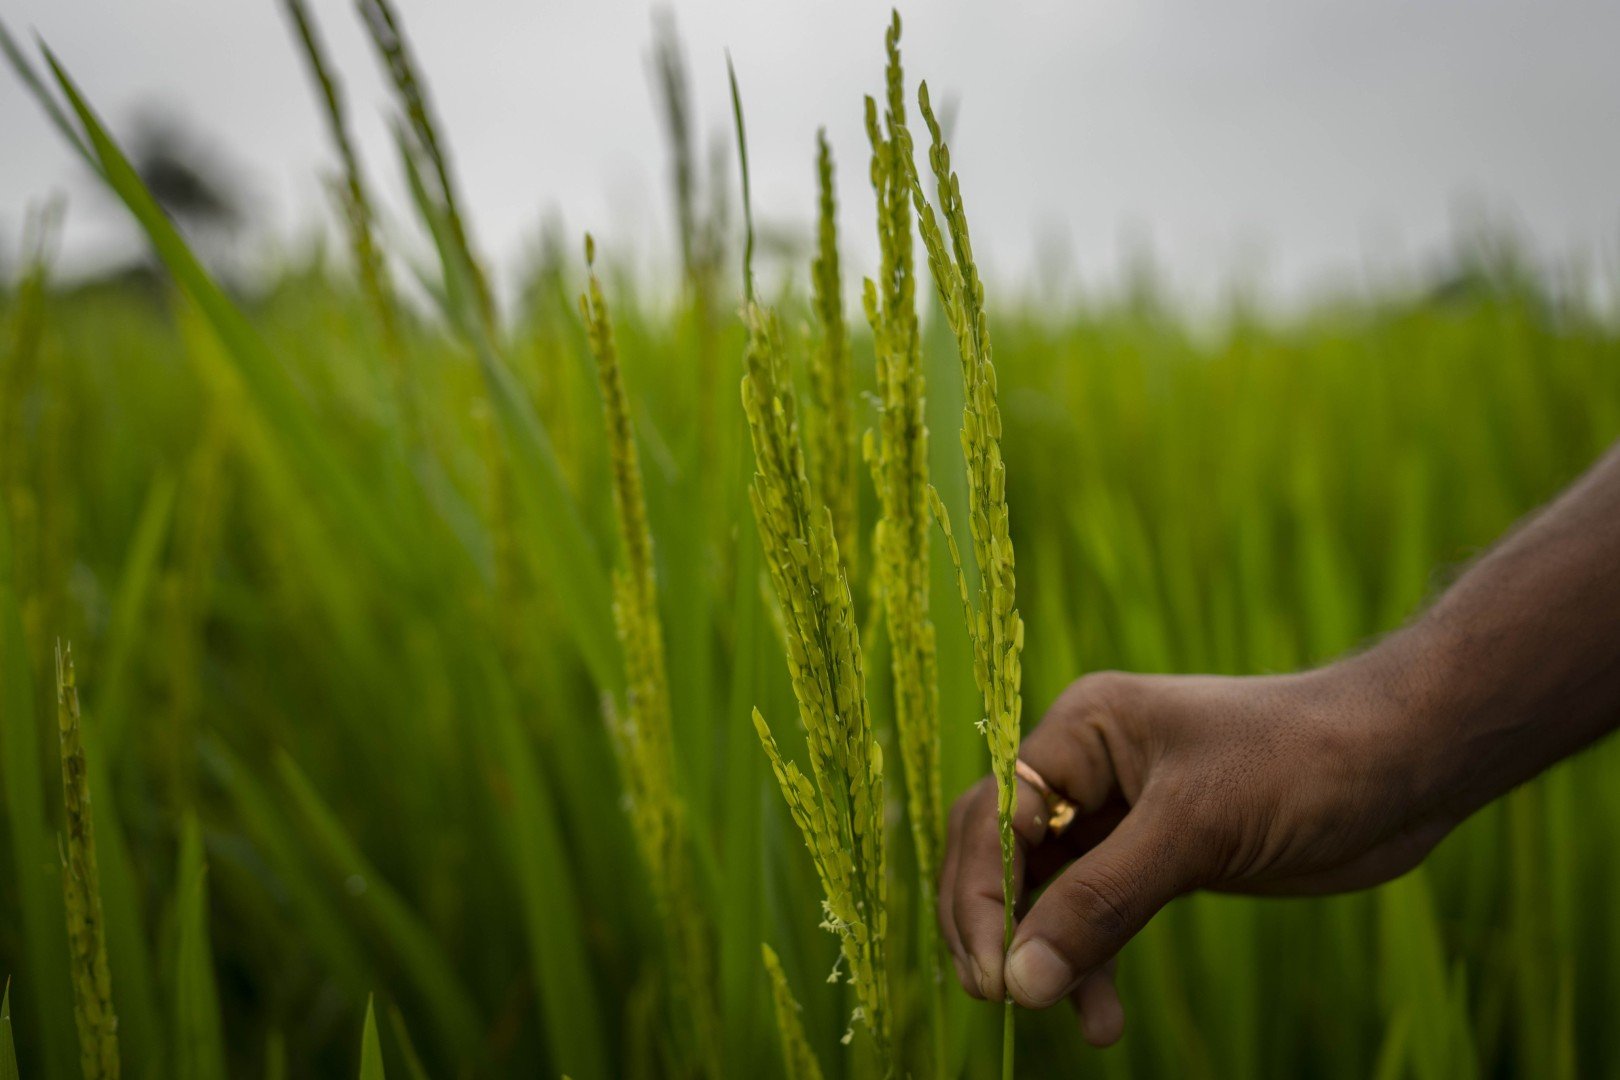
x=982, y=977
x=1036, y=974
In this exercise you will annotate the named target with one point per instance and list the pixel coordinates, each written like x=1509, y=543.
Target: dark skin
x=1325, y=781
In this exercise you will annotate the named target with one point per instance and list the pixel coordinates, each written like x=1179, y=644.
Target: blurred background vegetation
x=319, y=611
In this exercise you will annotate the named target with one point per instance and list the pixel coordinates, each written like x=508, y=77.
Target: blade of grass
x=747, y=197
x=199, y=1042
x=42, y=94
x=8, y=1048
x=371, y=1062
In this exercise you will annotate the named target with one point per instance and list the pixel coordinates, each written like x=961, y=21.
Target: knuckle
x=1104, y=690
x=1099, y=910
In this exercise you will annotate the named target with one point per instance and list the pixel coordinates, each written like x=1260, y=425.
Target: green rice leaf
x=8, y=1048
x=199, y=1041
x=371, y=1062
x=47, y=101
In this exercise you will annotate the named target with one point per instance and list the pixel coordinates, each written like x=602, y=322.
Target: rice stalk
x=81, y=889
x=699, y=236
x=798, y=1059
x=832, y=376
x=747, y=193
x=994, y=624
x=351, y=195
x=383, y=27
x=839, y=806
x=898, y=457
x=643, y=730
x=674, y=88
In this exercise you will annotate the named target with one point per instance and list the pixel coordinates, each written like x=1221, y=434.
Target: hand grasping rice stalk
x=840, y=813
x=993, y=624
x=899, y=461
x=643, y=732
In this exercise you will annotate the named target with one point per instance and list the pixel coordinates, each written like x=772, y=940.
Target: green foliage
x=8, y=1048
x=371, y=1061
x=199, y=1039
x=260, y=563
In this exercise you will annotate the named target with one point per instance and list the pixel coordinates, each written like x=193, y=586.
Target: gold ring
x=1060, y=812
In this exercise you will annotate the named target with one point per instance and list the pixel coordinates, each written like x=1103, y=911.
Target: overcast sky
x=1296, y=141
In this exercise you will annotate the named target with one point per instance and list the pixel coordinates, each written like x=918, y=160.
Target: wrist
x=1400, y=708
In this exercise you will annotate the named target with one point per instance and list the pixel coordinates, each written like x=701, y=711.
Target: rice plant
x=838, y=807
x=995, y=626
x=832, y=374
x=899, y=461
x=388, y=37
x=354, y=199
x=81, y=887
x=797, y=1055
x=642, y=731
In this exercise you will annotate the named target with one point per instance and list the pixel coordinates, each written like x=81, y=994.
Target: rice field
x=396, y=679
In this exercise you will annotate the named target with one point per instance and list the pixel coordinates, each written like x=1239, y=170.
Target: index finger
x=1068, y=752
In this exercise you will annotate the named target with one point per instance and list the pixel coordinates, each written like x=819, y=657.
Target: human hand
x=1303, y=783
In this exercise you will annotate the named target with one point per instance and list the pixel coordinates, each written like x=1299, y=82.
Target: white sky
x=1296, y=141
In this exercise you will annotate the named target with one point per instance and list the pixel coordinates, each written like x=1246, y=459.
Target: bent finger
x=1097, y=905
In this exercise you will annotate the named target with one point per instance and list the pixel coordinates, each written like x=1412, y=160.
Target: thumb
x=1084, y=917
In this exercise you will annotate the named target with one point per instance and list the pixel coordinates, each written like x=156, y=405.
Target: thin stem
x=1007, y=1040
x=1007, y=1007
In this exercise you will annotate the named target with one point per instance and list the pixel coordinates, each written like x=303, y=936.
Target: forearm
x=1518, y=665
